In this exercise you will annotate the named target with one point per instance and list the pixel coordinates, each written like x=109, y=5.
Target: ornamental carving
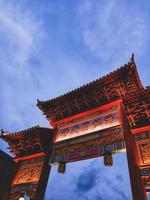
x=104, y=140
x=145, y=172
x=123, y=83
x=145, y=152
x=146, y=181
x=28, y=172
x=142, y=136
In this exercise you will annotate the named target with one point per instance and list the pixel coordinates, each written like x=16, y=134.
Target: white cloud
x=21, y=35
x=110, y=181
x=113, y=30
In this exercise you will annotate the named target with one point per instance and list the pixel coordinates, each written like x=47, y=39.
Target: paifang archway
x=106, y=116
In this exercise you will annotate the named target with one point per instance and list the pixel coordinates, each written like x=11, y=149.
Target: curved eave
x=47, y=107
x=11, y=136
x=42, y=104
x=18, y=135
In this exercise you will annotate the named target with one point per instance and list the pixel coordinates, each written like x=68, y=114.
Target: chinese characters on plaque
x=84, y=125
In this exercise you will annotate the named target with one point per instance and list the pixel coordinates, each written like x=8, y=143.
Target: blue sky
x=48, y=47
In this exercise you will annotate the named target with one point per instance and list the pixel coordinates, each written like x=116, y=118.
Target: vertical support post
x=41, y=188
x=137, y=185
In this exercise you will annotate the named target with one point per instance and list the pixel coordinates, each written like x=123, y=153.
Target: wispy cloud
x=20, y=37
x=90, y=179
x=20, y=33
x=113, y=30
x=104, y=180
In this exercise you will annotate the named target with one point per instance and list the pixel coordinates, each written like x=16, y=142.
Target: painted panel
x=142, y=135
x=145, y=152
x=143, y=147
x=145, y=172
x=29, y=171
x=145, y=175
x=24, y=187
x=102, y=119
x=85, y=148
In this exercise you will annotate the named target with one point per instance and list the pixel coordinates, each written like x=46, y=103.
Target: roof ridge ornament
x=2, y=133
x=38, y=101
x=132, y=58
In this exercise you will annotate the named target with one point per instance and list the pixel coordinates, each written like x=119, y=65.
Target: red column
x=41, y=189
x=137, y=186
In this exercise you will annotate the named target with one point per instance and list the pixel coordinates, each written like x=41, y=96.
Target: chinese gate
x=107, y=116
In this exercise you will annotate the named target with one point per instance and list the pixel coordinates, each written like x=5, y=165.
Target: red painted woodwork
x=32, y=150
x=29, y=157
x=99, y=108
x=141, y=129
x=138, y=189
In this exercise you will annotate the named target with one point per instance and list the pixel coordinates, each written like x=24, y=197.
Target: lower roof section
x=30, y=141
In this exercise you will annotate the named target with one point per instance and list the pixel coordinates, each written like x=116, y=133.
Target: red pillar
x=41, y=188
x=137, y=185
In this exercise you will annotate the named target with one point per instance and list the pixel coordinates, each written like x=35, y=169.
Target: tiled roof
x=32, y=140
x=93, y=94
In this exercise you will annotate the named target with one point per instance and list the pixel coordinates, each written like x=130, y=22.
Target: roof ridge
x=7, y=133
x=88, y=84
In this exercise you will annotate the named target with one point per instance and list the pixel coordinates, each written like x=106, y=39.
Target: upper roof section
x=137, y=106
x=29, y=141
x=101, y=91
